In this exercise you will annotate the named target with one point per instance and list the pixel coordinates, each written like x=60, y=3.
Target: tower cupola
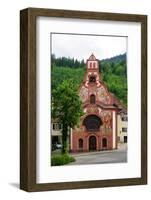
x=92, y=63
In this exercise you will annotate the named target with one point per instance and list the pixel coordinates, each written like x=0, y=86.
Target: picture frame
x=28, y=98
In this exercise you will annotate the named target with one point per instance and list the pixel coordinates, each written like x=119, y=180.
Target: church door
x=92, y=143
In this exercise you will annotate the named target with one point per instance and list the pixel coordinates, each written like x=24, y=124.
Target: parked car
x=58, y=145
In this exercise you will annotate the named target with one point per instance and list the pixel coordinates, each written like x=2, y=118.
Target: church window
x=104, y=143
x=92, y=99
x=90, y=65
x=92, y=79
x=92, y=123
x=80, y=143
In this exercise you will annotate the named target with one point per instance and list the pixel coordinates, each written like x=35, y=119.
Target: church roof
x=117, y=103
x=92, y=57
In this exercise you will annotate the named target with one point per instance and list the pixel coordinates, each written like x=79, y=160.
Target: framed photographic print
x=83, y=99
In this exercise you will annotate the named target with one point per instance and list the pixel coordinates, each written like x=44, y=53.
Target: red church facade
x=98, y=126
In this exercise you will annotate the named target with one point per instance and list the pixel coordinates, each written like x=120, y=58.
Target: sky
x=82, y=46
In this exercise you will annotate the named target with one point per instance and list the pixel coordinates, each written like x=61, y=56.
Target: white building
x=122, y=126
x=56, y=133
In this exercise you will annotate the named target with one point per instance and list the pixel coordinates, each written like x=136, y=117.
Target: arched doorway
x=92, y=143
x=104, y=143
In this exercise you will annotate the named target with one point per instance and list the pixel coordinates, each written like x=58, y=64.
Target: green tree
x=67, y=108
x=119, y=70
x=59, y=74
x=107, y=68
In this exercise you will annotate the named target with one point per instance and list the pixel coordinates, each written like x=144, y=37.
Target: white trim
x=71, y=145
x=114, y=130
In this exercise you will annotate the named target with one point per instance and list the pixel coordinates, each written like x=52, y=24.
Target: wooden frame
x=28, y=98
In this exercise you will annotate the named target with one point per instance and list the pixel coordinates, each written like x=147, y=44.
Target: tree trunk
x=64, y=138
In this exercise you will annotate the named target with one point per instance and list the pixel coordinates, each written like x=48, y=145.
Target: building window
x=125, y=139
x=53, y=126
x=93, y=65
x=90, y=65
x=92, y=79
x=56, y=126
x=124, y=129
x=80, y=144
x=124, y=118
x=55, y=139
x=92, y=99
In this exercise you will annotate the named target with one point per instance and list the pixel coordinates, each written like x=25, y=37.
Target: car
x=58, y=145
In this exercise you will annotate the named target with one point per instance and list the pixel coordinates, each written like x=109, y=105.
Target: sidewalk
x=121, y=147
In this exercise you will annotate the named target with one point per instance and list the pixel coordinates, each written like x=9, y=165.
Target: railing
x=101, y=129
x=93, y=130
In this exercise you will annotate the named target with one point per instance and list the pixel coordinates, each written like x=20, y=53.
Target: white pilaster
x=114, y=129
x=71, y=138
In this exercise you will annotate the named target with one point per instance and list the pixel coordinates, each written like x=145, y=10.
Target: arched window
x=92, y=79
x=104, y=143
x=92, y=99
x=92, y=123
x=90, y=65
x=80, y=143
x=94, y=65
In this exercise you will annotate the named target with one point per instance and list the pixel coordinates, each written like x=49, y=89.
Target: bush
x=61, y=159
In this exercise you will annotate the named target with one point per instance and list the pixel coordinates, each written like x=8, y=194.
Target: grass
x=62, y=159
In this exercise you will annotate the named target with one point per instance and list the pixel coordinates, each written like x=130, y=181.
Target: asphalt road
x=113, y=156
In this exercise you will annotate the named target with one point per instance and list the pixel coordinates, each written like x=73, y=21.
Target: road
x=112, y=156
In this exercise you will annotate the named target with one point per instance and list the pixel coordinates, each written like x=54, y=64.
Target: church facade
x=98, y=126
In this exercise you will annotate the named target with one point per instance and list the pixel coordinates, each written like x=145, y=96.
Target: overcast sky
x=82, y=46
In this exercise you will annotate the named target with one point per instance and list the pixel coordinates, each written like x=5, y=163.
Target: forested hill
x=117, y=59
x=113, y=71
x=67, y=62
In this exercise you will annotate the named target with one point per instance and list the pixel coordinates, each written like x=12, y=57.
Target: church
x=98, y=126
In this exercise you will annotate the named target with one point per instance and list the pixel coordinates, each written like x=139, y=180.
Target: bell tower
x=92, y=74
x=92, y=64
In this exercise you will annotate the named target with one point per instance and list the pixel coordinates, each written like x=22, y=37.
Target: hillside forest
x=113, y=71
